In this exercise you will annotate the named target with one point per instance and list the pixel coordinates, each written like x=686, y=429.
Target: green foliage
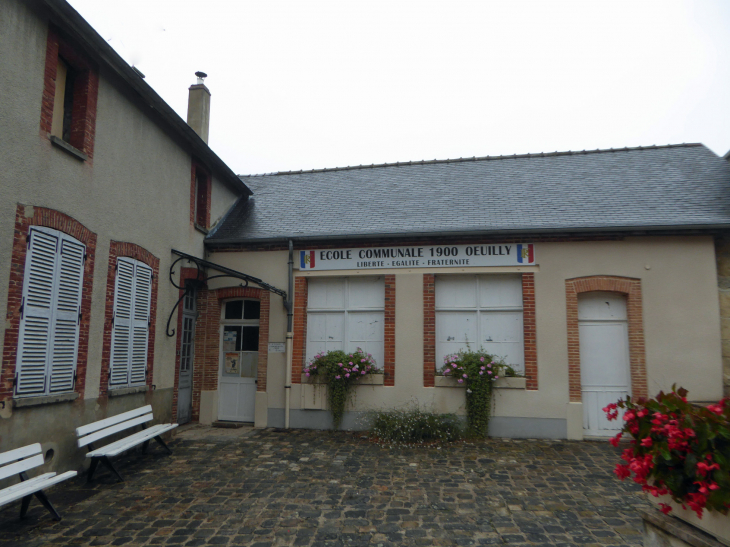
x=414, y=426
x=677, y=449
x=340, y=370
x=477, y=370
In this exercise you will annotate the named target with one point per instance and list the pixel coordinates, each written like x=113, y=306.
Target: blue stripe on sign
x=301, y=259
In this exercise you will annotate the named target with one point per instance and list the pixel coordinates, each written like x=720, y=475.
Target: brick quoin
x=429, y=329
x=389, y=331
x=185, y=274
x=63, y=223
x=299, y=348
x=637, y=354
x=129, y=250
x=85, y=92
x=206, y=361
x=528, y=326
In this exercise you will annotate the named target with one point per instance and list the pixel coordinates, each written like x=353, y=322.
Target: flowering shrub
x=340, y=370
x=677, y=449
x=414, y=426
x=477, y=370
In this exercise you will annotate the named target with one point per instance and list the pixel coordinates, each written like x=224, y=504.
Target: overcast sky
x=310, y=84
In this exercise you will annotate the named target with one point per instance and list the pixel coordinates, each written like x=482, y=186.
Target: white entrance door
x=239, y=360
x=604, y=358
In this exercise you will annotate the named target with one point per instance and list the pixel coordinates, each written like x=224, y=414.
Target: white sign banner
x=429, y=256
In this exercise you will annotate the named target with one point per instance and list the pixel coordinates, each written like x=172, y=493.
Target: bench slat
x=34, y=487
x=25, y=484
x=101, y=424
x=138, y=438
x=20, y=453
x=114, y=429
x=17, y=467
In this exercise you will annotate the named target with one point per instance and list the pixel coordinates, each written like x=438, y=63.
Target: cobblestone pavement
x=289, y=488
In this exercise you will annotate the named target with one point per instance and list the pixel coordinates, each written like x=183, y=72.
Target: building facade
x=136, y=268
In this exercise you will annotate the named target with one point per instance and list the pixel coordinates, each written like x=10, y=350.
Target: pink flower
x=489, y=372
x=337, y=377
x=453, y=365
x=481, y=359
x=496, y=377
x=481, y=372
x=307, y=374
x=350, y=363
x=461, y=381
x=363, y=372
x=464, y=376
x=347, y=375
x=339, y=364
x=362, y=360
x=483, y=368
x=664, y=508
x=717, y=409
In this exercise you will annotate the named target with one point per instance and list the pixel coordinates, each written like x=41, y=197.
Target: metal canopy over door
x=604, y=358
x=187, y=349
x=239, y=360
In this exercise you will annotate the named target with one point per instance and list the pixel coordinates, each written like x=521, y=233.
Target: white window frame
x=480, y=312
x=238, y=323
x=125, y=365
x=39, y=359
x=347, y=310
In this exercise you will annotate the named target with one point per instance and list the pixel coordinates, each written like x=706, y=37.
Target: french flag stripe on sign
x=306, y=259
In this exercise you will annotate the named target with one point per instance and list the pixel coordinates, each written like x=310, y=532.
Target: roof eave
x=70, y=21
x=570, y=231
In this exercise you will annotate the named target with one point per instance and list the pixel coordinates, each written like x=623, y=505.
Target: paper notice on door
x=233, y=363
x=229, y=340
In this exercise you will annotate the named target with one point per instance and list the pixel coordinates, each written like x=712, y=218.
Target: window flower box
x=504, y=382
x=712, y=522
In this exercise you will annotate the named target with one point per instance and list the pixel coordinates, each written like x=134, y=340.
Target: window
x=131, y=322
x=241, y=338
x=50, y=314
x=68, y=108
x=200, y=199
x=346, y=313
x=481, y=311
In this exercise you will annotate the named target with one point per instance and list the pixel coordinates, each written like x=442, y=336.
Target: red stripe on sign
x=531, y=254
x=311, y=259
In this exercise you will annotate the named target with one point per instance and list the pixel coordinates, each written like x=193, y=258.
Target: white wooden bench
x=91, y=433
x=19, y=461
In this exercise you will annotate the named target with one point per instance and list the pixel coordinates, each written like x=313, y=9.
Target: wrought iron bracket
x=191, y=284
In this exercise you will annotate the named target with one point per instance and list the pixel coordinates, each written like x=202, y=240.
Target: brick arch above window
x=628, y=286
x=25, y=217
x=129, y=250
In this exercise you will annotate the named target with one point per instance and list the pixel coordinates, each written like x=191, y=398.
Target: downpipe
x=289, y=305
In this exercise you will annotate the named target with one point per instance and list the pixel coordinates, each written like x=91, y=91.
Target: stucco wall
x=136, y=189
x=681, y=323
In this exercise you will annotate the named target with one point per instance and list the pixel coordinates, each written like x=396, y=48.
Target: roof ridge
x=476, y=158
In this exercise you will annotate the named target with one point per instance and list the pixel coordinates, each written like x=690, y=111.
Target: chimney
x=199, y=107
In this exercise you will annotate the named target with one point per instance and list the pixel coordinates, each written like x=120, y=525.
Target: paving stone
x=277, y=488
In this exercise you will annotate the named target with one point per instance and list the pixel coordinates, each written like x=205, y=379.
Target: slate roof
x=661, y=187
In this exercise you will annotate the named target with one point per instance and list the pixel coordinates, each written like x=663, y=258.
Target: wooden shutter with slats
x=132, y=294
x=51, y=305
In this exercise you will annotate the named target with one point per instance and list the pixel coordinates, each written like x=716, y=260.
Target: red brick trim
x=299, y=349
x=196, y=168
x=63, y=223
x=389, y=331
x=130, y=250
x=185, y=274
x=529, y=329
x=207, y=339
x=623, y=285
x=429, y=329
x=85, y=94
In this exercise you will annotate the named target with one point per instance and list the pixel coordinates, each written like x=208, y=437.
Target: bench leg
x=47, y=504
x=162, y=443
x=144, y=446
x=110, y=467
x=24, y=505
x=92, y=468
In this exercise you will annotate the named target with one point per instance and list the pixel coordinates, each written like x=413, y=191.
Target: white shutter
x=140, y=322
x=67, y=315
x=37, y=313
x=121, y=334
x=49, y=328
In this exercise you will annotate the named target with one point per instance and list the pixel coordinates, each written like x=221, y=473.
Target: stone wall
x=722, y=252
